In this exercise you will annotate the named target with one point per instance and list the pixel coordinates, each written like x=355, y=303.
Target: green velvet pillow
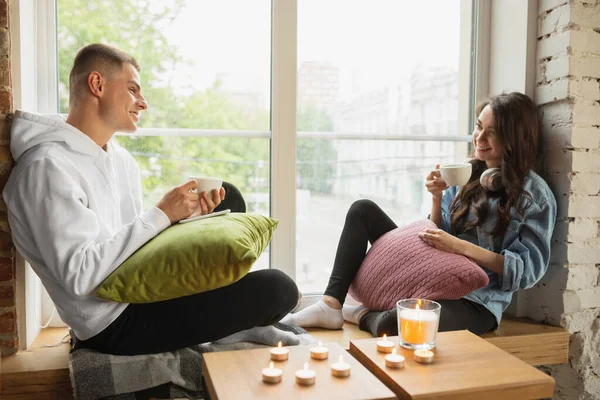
x=190, y=258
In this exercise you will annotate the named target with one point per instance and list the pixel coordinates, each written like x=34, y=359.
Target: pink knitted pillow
x=400, y=265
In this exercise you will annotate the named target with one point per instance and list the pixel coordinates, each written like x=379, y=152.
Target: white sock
x=319, y=315
x=268, y=335
x=354, y=313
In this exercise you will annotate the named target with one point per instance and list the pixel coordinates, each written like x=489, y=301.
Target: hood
x=30, y=130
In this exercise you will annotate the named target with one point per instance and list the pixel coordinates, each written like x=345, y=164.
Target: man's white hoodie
x=75, y=212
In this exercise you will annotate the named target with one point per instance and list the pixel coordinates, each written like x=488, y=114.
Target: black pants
x=365, y=223
x=260, y=298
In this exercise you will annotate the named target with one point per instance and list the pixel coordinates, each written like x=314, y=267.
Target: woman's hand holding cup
x=435, y=184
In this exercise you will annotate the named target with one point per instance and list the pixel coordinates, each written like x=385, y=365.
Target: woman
x=506, y=229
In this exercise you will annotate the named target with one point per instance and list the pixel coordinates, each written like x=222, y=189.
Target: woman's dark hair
x=517, y=127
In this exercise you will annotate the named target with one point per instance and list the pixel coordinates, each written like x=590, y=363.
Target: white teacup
x=456, y=174
x=206, y=184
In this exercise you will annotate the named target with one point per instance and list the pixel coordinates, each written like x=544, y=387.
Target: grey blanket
x=176, y=374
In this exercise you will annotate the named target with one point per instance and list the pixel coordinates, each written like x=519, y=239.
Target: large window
x=377, y=84
x=205, y=72
x=365, y=96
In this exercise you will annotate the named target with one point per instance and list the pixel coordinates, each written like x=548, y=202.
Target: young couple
x=74, y=204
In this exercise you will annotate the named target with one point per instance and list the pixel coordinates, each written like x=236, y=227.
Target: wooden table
x=237, y=375
x=465, y=367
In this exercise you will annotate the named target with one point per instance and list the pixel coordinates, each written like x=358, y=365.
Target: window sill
x=40, y=371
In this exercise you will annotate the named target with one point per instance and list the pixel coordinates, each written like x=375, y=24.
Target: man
x=75, y=209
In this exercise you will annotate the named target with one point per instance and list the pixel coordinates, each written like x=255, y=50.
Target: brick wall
x=568, y=91
x=8, y=321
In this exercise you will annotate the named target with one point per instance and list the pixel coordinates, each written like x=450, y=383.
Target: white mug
x=455, y=174
x=206, y=184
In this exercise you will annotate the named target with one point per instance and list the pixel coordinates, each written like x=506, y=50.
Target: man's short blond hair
x=97, y=57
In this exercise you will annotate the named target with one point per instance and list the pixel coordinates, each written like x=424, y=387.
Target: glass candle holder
x=418, y=321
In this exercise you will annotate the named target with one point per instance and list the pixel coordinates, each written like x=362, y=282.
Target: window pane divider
x=173, y=132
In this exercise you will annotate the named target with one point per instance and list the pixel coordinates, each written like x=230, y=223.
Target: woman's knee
x=360, y=207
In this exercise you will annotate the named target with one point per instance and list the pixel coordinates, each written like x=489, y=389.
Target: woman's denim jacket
x=525, y=245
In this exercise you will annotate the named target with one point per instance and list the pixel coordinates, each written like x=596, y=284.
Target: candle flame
x=271, y=365
x=417, y=307
x=279, y=344
x=384, y=337
x=393, y=352
x=320, y=344
x=341, y=358
x=306, y=366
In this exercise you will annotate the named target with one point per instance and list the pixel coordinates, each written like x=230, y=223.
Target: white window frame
x=499, y=48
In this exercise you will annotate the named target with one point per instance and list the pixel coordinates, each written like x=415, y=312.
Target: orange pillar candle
x=418, y=326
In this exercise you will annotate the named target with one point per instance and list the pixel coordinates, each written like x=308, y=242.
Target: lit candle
x=320, y=352
x=279, y=353
x=424, y=356
x=394, y=360
x=305, y=377
x=418, y=326
x=271, y=374
x=340, y=369
x=385, y=346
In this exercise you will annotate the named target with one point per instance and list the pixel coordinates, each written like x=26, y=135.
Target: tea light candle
x=271, y=374
x=424, y=356
x=320, y=352
x=340, y=369
x=279, y=353
x=394, y=360
x=418, y=326
x=385, y=346
x=305, y=377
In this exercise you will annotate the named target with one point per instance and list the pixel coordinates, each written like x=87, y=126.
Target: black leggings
x=365, y=223
x=260, y=298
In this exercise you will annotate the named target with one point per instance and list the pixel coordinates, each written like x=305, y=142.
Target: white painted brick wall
x=554, y=45
x=546, y=5
x=557, y=113
x=580, y=321
x=585, y=137
x=582, y=65
x=558, y=160
x=584, y=206
x=585, y=16
x=568, y=74
x=582, y=277
x=555, y=21
x=553, y=91
x=589, y=298
x=565, y=88
x=582, y=229
x=584, y=88
x=586, y=114
x=556, y=68
x=585, y=183
x=586, y=160
x=584, y=41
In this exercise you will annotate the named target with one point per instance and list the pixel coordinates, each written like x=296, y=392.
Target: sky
x=374, y=43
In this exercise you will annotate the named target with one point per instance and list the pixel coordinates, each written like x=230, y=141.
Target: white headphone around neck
x=490, y=179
